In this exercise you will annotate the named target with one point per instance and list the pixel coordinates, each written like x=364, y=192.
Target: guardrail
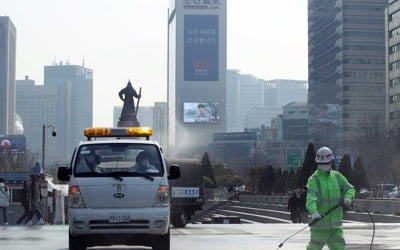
x=379, y=206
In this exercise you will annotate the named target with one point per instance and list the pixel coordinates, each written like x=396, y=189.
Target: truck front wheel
x=179, y=217
x=76, y=242
x=161, y=242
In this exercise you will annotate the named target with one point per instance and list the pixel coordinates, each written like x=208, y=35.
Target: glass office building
x=196, y=74
x=7, y=75
x=393, y=66
x=346, y=69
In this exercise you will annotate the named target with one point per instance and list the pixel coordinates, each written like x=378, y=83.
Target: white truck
x=118, y=190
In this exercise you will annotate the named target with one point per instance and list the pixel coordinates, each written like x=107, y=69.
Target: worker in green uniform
x=325, y=189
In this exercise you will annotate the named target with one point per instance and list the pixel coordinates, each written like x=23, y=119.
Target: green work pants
x=332, y=237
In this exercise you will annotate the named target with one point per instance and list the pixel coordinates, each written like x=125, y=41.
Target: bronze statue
x=129, y=111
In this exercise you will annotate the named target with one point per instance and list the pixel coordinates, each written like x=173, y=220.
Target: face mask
x=324, y=167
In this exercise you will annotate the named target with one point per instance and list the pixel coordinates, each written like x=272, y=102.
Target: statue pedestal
x=128, y=124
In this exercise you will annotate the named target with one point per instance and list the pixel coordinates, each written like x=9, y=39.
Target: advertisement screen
x=12, y=144
x=199, y=112
x=201, y=48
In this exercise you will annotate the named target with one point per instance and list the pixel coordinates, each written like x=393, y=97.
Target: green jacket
x=324, y=191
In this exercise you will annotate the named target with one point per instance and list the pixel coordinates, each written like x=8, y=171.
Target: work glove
x=346, y=203
x=315, y=216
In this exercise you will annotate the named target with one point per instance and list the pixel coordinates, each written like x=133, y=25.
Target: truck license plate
x=118, y=218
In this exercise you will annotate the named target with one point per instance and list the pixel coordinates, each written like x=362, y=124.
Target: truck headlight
x=162, y=198
x=75, y=199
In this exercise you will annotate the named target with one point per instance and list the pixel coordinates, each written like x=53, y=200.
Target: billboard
x=201, y=48
x=196, y=112
x=12, y=144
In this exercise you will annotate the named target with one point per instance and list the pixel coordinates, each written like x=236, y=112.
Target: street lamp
x=53, y=133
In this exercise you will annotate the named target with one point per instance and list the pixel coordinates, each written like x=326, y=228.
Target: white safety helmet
x=324, y=155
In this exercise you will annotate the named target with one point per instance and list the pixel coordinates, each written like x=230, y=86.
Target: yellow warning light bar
x=119, y=132
x=139, y=131
x=93, y=132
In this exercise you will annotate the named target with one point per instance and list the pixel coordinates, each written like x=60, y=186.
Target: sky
x=127, y=39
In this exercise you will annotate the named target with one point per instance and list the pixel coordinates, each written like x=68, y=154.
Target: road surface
x=211, y=236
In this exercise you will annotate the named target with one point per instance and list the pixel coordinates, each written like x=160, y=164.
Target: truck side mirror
x=63, y=173
x=174, y=172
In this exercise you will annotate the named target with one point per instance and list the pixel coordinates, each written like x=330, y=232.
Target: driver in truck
x=88, y=161
x=143, y=164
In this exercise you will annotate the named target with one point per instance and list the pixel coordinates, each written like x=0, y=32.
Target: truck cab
x=118, y=190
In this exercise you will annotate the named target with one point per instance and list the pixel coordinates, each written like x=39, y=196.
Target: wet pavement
x=212, y=236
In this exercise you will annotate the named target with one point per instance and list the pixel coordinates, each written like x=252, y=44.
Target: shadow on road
x=119, y=248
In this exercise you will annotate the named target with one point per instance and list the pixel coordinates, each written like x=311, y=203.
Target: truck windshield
x=122, y=159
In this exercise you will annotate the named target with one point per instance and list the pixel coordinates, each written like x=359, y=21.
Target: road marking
x=249, y=221
x=261, y=216
x=350, y=221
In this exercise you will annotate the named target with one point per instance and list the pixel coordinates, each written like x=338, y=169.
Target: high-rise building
x=279, y=92
x=38, y=105
x=160, y=122
x=393, y=66
x=196, y=74
x=252, y=90
x=7, y=75
x=252, y=102
x=277, y=127
x=116, y=115
x=145, y=116
x=346, y=68
x=233, y=101
x=295, y=121
x=260, y=116
x=75, y=84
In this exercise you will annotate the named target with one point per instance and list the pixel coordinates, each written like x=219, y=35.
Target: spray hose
x=328, y=212
x=310, y=224
x=372, y=221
